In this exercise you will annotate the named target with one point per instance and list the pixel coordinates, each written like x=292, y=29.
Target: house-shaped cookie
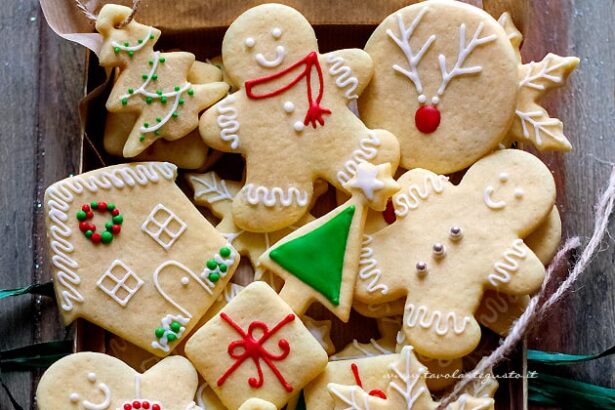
x=131, y=253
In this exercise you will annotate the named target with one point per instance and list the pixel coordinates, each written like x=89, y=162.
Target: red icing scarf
x=315, y=110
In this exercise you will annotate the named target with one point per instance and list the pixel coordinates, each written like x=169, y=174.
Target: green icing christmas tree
x=317, y=258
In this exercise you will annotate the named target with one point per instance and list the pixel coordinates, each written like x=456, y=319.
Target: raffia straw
x=92, y=17
x=536, y=308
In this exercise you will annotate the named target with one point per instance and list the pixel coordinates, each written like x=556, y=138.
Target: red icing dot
x=96, y=238
x=389, y=213
x=116, y=229
x=85, y=208
x=427, y=119
x=155, y=407
x=378, y=393
x=102, y=206
x=127, y=406
x=92, y=227
x=89, y=214
x=145, y=404
x=135, y=404
x=84, y=226
x=115, y=212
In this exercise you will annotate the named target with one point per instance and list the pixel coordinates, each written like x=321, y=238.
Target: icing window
x=119, y=282
x=163, y=226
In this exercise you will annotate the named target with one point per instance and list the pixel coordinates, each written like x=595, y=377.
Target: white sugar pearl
x=289, y=107
x=92, y=377
x=276, y=32
x=435, y=100
x=74, y=397
x=298, y=126
x=518, y=193
x=503, y=177
x=250, y=42
x=422, y=98
x=185, y=281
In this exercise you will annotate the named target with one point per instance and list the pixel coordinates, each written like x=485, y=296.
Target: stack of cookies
x=440, y=227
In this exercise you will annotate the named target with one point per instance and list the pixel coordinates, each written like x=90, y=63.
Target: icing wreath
x=112, y=227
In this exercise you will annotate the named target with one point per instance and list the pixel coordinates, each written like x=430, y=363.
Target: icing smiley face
x=490, y=196
x=260, y=42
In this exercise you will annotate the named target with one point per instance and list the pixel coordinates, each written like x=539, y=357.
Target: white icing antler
x=541, y=124
x=403, y=42
x=464, y=52
x=210, y=188
x=550, y=71
x=413, y=386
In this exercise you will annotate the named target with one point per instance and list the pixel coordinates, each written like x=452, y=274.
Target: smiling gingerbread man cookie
x=290, y=117
x=449, y=243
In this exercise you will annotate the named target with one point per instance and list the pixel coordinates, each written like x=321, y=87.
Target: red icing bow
x=252, y=348
x=315, y=110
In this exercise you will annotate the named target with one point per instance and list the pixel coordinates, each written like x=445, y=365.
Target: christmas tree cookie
x=151, y=85
x=450, y=243
x=131, y=254
x=256, y=347
x=95, y=381
x=290, y=117
x=319, y=261
x=449, y=83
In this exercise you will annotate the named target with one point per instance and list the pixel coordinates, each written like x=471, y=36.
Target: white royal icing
x=162, y=343
x=535, y=120
x=545, y=73
x=435, y=320
x=157, y=226
x=88, y=405
x=280, y=53
x=405, y=201
x=344, y=78
x=206, y=286
x=411, y=390
x=272, y=196
x=368, y=149
x=366, y=179
x=138, y=47
x=368, y=267
x=211, y=187
x=489, y=201
x=120, y=291
x=62, y=194
x=227, y=121
x=510, y=263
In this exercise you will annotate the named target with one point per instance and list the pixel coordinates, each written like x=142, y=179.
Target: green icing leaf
x=317, y=258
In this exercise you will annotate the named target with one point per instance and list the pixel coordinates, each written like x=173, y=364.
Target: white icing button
x=276, y=32
x=298, y=126
x=250, y=42
x=435, y=100
x=74, y=397
x=92, y=377
x=503, y=177
x=518, y=193
x=185, y=281
x=289, y=107
x=422, y=98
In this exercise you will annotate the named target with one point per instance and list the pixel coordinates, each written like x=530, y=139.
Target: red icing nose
x=427, y=119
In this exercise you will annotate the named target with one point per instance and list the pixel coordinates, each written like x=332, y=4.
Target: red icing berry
x=155, y=407
x=91, y=227
x=135, y=404
x=102, y=206
x=389, y=213
x=145, y=404
x=84, y=226
x=96, y=238
x=85, y=208
x=127, y=406
x=116, y=229
x=89, y=214
x=115, y=212
x=427, y=119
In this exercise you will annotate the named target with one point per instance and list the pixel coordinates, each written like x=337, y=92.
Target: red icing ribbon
x=357, y=379
x=253, y=348
x=315, y=110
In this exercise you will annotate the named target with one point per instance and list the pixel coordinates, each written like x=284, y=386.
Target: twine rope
x=92, y=17
x=536, y=308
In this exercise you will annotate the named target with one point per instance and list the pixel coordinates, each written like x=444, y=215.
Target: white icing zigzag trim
x=415, y=194
x=343, y=76
x=260, y=194
x=510, y=264
x=227, y=121
x=369, y=267
x=435, y=320
x=368, y=149
x=63, y=193
x=162, y=343
x=495, y=306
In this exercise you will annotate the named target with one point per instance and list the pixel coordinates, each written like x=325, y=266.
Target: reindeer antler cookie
x=152, y=84
x=449, y=83
x=449, y=243
x=290, y=117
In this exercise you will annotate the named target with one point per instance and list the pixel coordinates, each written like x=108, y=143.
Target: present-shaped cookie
x=256, y=347
x=131, y=253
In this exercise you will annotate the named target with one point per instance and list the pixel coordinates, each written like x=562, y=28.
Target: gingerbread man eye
x=249, y=42
x=276, y=33
x=518, y=193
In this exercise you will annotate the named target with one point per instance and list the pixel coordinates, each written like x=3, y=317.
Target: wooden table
x=42, y=82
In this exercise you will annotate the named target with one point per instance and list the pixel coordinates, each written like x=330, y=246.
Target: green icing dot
x=110, y=206
x=146, y=124
x=116, y=50
x=118, y=219
x=144, y=76
x=157, y=132
x=94, y=205
x=88, y=234
x=225, y=252
x=158, y=119
x=212, y=264
x=124, y=101
x=140, y=41
x=126, y=44
x=131, y=53
x=171, y=337
x=222, y=267
x=181, y=101
x=159, y=332
x=162, y=59
x=176, y=88
x=190, y=92
x=142, y=138
x=159, y=92
x=154, y=77
x=214, y=277
x=151, y=37
x=81, y=216
x=106, y=237
x=109, y=225
x=150, y=62
x=149, y=100
x=174, y=115
x=163, y=100
x=131, y=91
x=176, y=327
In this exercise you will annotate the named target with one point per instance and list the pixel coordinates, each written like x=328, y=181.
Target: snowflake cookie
x=290, y=116
x=319, y=260
x=131, y=253
x=151, y=84
x=449, y=83
x=450, y=243
x=256, y=347
x=406, y=389
x=95, y=381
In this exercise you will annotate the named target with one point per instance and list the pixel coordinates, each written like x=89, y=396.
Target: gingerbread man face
x=458, y=240
x=290, y=116
x=447, y=82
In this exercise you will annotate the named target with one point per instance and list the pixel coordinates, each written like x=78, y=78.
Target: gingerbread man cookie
x=95, y=381
x=449, y=83
x=449, y=243
x=290, y=116
x=151, y=84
